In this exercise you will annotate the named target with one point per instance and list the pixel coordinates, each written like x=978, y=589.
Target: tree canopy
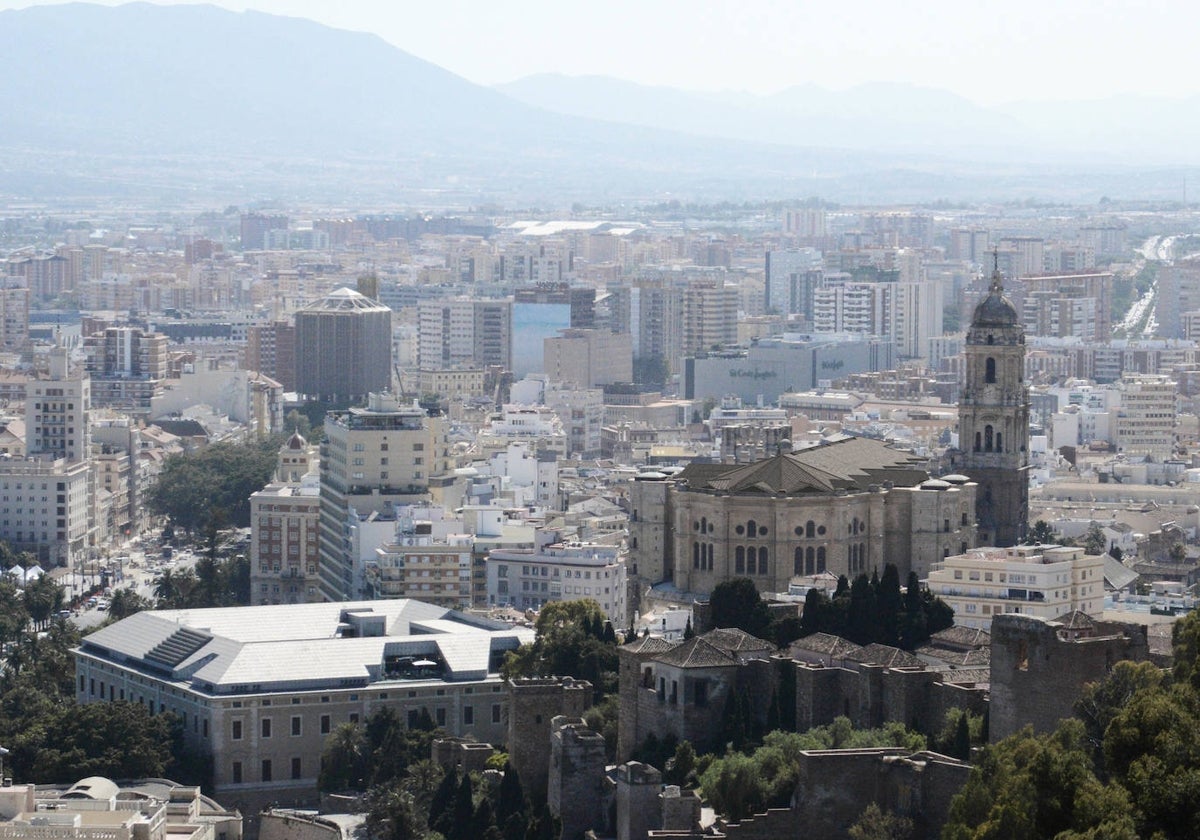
x=573, y=640
x=213, y=484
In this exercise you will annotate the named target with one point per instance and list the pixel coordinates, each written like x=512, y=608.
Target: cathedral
x=993, y=419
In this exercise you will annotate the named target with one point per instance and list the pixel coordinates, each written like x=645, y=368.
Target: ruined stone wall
x=1037, y=673
x=532, y=705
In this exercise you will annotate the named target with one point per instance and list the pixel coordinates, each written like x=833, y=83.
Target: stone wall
x=575, y=788
x=286, y=825
x=532, y=705
x=638, y=809
x=1038, y=670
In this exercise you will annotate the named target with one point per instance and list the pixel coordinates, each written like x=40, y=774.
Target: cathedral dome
x=995, y=310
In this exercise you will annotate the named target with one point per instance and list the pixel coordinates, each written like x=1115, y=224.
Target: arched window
x=703, y=524
x=751, y=528
x=710, y=556
x=762, y=560
x=798, y=562
x=739, y=560
x=978, y=442
x=695, y=555
x=820, y=559
x=989, y=375
x=810, y=529
x=999, y=447
x=987, y=438
x=808, y=561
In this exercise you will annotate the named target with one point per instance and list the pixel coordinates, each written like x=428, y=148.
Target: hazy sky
x=988, y=52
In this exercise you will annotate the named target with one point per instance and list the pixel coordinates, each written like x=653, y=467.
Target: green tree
x=391, y=814
x=736, y=603
x=1041, y=533
x=571, y=642
x=126, y=602
x=1100, y=702
x=1031, y=786
x=197, y=488
x=43, y=598
x=14, y=617
x=344, y=762
x=1094, y=541
x=874, y=824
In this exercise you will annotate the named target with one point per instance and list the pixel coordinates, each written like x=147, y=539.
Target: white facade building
x=529, y=579
x=1043, y=581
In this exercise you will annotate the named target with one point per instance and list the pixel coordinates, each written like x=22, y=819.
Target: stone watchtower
x=993, y=419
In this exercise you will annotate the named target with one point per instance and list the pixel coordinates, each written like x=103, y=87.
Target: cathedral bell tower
x=993, y=419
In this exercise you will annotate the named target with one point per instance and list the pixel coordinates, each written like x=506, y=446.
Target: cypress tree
x=443, y=796
x=510, y=797
x=962, y=739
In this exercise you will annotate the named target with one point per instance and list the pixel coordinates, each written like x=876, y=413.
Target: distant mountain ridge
x=889, y=116
x=204, y=105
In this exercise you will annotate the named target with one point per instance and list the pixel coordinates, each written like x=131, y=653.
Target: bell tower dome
x=993, y=418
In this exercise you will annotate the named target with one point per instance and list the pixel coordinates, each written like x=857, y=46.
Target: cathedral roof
x=995, y=310
x=852, y=464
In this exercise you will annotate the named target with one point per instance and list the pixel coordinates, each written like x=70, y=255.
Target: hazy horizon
x=1070, y=50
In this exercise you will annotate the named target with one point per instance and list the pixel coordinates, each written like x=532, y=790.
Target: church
x=851, y=504
x=993, y=419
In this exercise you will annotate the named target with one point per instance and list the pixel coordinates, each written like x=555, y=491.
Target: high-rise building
x=792, y=277
x=271, y=350
x=1145, y=423
x=993, y=419
x=56, y=412
x=1076, y=304
x=464, y=333
x=127, y=366
x=14, y=317
x=589, y=357
x=256, y=227
x=709, y=315
x=372, y=459
x=343, y=347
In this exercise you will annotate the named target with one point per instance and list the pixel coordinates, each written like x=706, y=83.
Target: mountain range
x=203, y=104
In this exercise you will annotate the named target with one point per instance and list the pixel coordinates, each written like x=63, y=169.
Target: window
x=296, y=768
x=989, y=375
x=266, y=727
x=266, y=770
x=468, y=715
x=237, y=730
x=495, y=713
x=324, y=724
x=237, y=772
x=440, y=716
x=295, y=724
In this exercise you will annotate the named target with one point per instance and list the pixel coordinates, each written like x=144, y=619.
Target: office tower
x=709, y=316
x=1145, y=423
x=589, y=358
x=993, y=419
x=271, y=350
x=45, y=275
x=464, y=333
x=804, y=222
x=791, y=279
x=917, y=317
x=343, y=347
x=372, y=459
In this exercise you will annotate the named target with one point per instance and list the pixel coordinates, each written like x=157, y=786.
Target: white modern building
x=1042, y=581
x=529, y=579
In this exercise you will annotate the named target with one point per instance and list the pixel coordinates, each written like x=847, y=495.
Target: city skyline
x=768, y=47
